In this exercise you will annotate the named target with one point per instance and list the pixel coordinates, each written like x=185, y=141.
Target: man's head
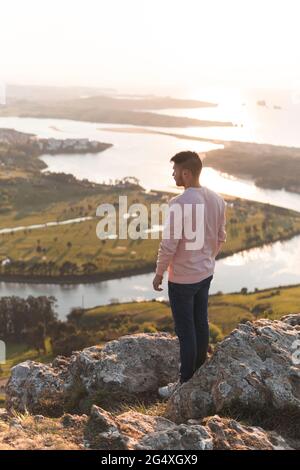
x=187, y=167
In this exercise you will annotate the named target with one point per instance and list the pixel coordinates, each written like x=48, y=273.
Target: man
x=190, y=267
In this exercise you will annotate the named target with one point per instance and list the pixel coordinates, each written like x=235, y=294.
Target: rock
x=4, y=415
x=293, y=319
x=71, y=421
x=133, y=430
x=103, y=431
x=39, y=418
x=180, y=437
x=134, y=364
x=229, y=434
x=253, y=368
x=35, y=387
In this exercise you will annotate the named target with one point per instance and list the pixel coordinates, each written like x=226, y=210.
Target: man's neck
x=193, y=185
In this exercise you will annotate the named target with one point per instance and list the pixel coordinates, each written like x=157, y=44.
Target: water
x=145, y=156
x=253, y=123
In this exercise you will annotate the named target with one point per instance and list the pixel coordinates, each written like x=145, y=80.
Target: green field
x=75, y=251
x=225, y=310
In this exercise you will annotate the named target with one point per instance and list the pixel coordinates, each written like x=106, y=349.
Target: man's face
x=177, y=175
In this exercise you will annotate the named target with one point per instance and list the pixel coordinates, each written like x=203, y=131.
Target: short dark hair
x=189, y=161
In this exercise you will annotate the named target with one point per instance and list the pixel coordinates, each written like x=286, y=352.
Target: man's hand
x=157, y=281
x=219, y=245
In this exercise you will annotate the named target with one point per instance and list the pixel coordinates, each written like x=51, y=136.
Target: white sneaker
x=168, y=390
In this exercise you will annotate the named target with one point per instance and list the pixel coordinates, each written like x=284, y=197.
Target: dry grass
x=26, y=432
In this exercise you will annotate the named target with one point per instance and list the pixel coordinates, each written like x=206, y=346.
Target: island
x=111, y=109
x=19, y=150
x=269, y=166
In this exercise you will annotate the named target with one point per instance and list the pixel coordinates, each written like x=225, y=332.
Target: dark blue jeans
x=189, y=305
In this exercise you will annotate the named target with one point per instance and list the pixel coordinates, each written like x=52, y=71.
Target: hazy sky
x=146, y=45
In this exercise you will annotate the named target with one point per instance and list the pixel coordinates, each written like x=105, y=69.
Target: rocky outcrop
x=131, y=431
x=133, y=365
x=228, y=434
x=256, y=367
x=36, y=387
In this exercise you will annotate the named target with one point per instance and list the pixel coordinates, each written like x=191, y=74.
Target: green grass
x=142, y=311
x=42, y=198
x=19, y=352
x=225, y=310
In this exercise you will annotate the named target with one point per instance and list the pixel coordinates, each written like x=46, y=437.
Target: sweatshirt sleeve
x=222, y=235
x=172, y=233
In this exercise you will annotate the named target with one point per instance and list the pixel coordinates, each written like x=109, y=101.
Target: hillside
x=269, y=166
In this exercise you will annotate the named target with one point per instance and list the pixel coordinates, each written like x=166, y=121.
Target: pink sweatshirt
x=193, y=265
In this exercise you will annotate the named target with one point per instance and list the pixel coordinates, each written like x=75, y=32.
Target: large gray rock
x=255, y=367
x=134, y=364
x=36, y=387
